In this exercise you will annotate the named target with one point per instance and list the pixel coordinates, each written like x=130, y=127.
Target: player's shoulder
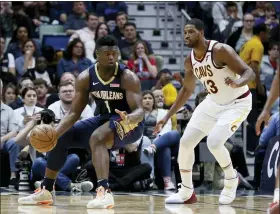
x=221, y=47
x=128, y=75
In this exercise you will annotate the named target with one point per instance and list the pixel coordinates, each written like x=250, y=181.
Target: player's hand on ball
x=231, y=83
x=123, y=115
x=160, y=125
x=263, y=118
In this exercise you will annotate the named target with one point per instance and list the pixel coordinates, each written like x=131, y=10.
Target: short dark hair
x=40, y=81
x=231, y=4
x=90, y=14
x=19, y=86
x=62, y=84
x=129, y=24
x=25, y=90
x=106, y=41
x=121, y=13
x=272, y=44
x=199, y=25
x=259, y=28
x=164, y=71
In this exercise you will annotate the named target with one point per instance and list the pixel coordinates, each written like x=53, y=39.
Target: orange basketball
x=43, y=138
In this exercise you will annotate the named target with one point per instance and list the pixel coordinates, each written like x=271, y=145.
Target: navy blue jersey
x=108, y=95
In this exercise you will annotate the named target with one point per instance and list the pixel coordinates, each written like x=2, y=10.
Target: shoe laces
x=76, y=187
x=100, y=192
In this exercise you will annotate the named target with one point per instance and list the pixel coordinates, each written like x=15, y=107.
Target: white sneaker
x=183, y=196
x=228, y=193
x=104, y=199
x=84, y=186
x=41, y=196
x=169, y=186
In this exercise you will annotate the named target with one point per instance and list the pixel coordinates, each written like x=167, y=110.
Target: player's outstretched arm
x=78, y=104
x=225, y=55
x=131, y=84
x=186, y=91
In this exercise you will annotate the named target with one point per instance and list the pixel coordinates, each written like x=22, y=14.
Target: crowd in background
x=36, y=76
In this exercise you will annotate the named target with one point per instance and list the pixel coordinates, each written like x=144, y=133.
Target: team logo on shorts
x=233, y=128
x=119, y=130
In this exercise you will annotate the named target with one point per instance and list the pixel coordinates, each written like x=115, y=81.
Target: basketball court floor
x=248, y=202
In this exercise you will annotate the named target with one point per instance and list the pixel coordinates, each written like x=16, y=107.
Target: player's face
x=66, y=94
x=148, y=102
x=192, y=35
x=30, y=98
x=108, y=56
x=159, y=98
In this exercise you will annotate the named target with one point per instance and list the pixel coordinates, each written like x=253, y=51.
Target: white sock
x=276, y=195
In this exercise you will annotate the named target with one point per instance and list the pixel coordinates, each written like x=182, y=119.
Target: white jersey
x=213, y=77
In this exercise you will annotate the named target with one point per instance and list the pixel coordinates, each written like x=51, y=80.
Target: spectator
x=251, y=53
x=22, y=84
x=121, y=20
x=166, y=143
x=41, y=88
x=107, y=11
x=269, y=65
x=25, y=65
x=41, y=71
x=142, y=64
x=9, y=128
x=165, y=84
x=126, y=45
x=59, y=10
x=87, y=33
x=20, y=36
x=242, y=34
x=10, y=93
x=66, y=93
x=232, y=22
x=260, y=9
x=269, y=18
x=77, y=19
x=7, y=64
x=102, y=30
x=74, y=59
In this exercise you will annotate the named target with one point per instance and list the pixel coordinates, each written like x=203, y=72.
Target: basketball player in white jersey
x=225, y=77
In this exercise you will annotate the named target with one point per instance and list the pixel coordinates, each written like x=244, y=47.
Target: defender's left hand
x=231, y=83
x=123, y=115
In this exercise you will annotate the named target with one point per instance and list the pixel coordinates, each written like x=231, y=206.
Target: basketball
x=43, y=138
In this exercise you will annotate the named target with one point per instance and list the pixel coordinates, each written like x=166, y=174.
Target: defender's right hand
x=160, y=125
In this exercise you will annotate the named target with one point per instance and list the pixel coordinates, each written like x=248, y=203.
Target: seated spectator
x=9, y=129
x=166, y=143
x=165, y=84
x=121, y=19
x=66, y=77
x=7, y=63
x=126, y=45
x=63, y=181
x=77, y=19
x=23, y=115
x=66, y=93
x=101, y=30
x=41, y=88
x=107, y=11
x=237, y=39
x=22, y=84
x=74, y=59
x=230, y=22
x=20, y=36
x=142, y=64
x=269, y=17
x=259, y=10
x=25, y=65
x=87, y=33
x=9, y=93
x=41, y=71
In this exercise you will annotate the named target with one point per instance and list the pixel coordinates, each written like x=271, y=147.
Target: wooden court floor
x=141, y=203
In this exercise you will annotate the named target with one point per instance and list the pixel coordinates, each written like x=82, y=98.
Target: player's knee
x=73, y=159
x=213, y=142
x=95, y=139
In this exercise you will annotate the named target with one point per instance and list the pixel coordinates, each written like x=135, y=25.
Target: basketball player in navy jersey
x=225, y=77
x=117, y=93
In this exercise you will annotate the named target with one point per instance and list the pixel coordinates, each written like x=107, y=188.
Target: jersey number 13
x=210, y=87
